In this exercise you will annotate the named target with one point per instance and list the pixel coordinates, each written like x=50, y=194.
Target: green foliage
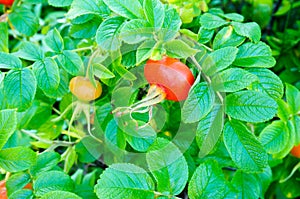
x=230, y=138
x=198, y=104
x=208, y=181
x=8, y=125
x=131, y=181
x=251, y=156
x=17, y=159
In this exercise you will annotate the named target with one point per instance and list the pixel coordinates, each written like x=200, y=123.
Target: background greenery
x=46, y=42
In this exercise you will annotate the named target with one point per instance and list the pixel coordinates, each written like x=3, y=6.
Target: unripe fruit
x=84, y=90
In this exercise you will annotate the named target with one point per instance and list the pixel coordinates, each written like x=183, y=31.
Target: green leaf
x=63, y=87
x=168, y=166
x=47, y=75
x=234, y=17
x=208, y=181
x=1, y=79
x=199, y=103
x=232, y=80
x=80, y=8
x=3, y=37
x=219, y=60
x=124, y=73
x=139, y=138
x=107, y=35
x=170, y=26
x=144, y=51
x=71, y=62
x=88, y=149
x=30, y=51
x=296, y=122
x=124, y=181
x=209, y=130
x=52, y=181
x=45, y=162
x=69, y=156
x=19, y=88
x=205, y=35
x=114, y=137
x=265, y=179
x=268, y=82
x=292, y=98
x=8, y=124
x=17, y=159
x=54, y=40
x=126, y=8
x=227, y=37
x=102, y=72
x=85, y=30
x=254, y=55
x=16, y=182
x=179, y=49
x=23, y=193
x=250, y=106
x=275, y=137
x=210, y=21
x=284, y=111
x=50, y=129
x=60, y=3
x=155, y=13
x=247, y=185
x=135, y=31
x=188, y=33
x=83, y=19
x=245, y=150
x=60, y=195
x=250, y=30
x=33, y=1
x=8, y=61
x=24, y=21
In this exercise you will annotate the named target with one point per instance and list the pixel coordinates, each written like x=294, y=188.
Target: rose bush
x=147, y=99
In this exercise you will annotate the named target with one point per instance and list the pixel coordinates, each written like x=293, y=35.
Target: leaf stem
x=83, y=49
x=291, y=174
x=197, y=43
x=90, y=62
x=51, y=142
x=7, y=176
x=161, y=194
x=207, y=78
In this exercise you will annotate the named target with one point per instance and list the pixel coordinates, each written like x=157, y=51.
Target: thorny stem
x=207, y=78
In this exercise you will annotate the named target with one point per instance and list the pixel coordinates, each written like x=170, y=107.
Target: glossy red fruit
x=7, y=2
x=174, y=77
x=296, y=151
